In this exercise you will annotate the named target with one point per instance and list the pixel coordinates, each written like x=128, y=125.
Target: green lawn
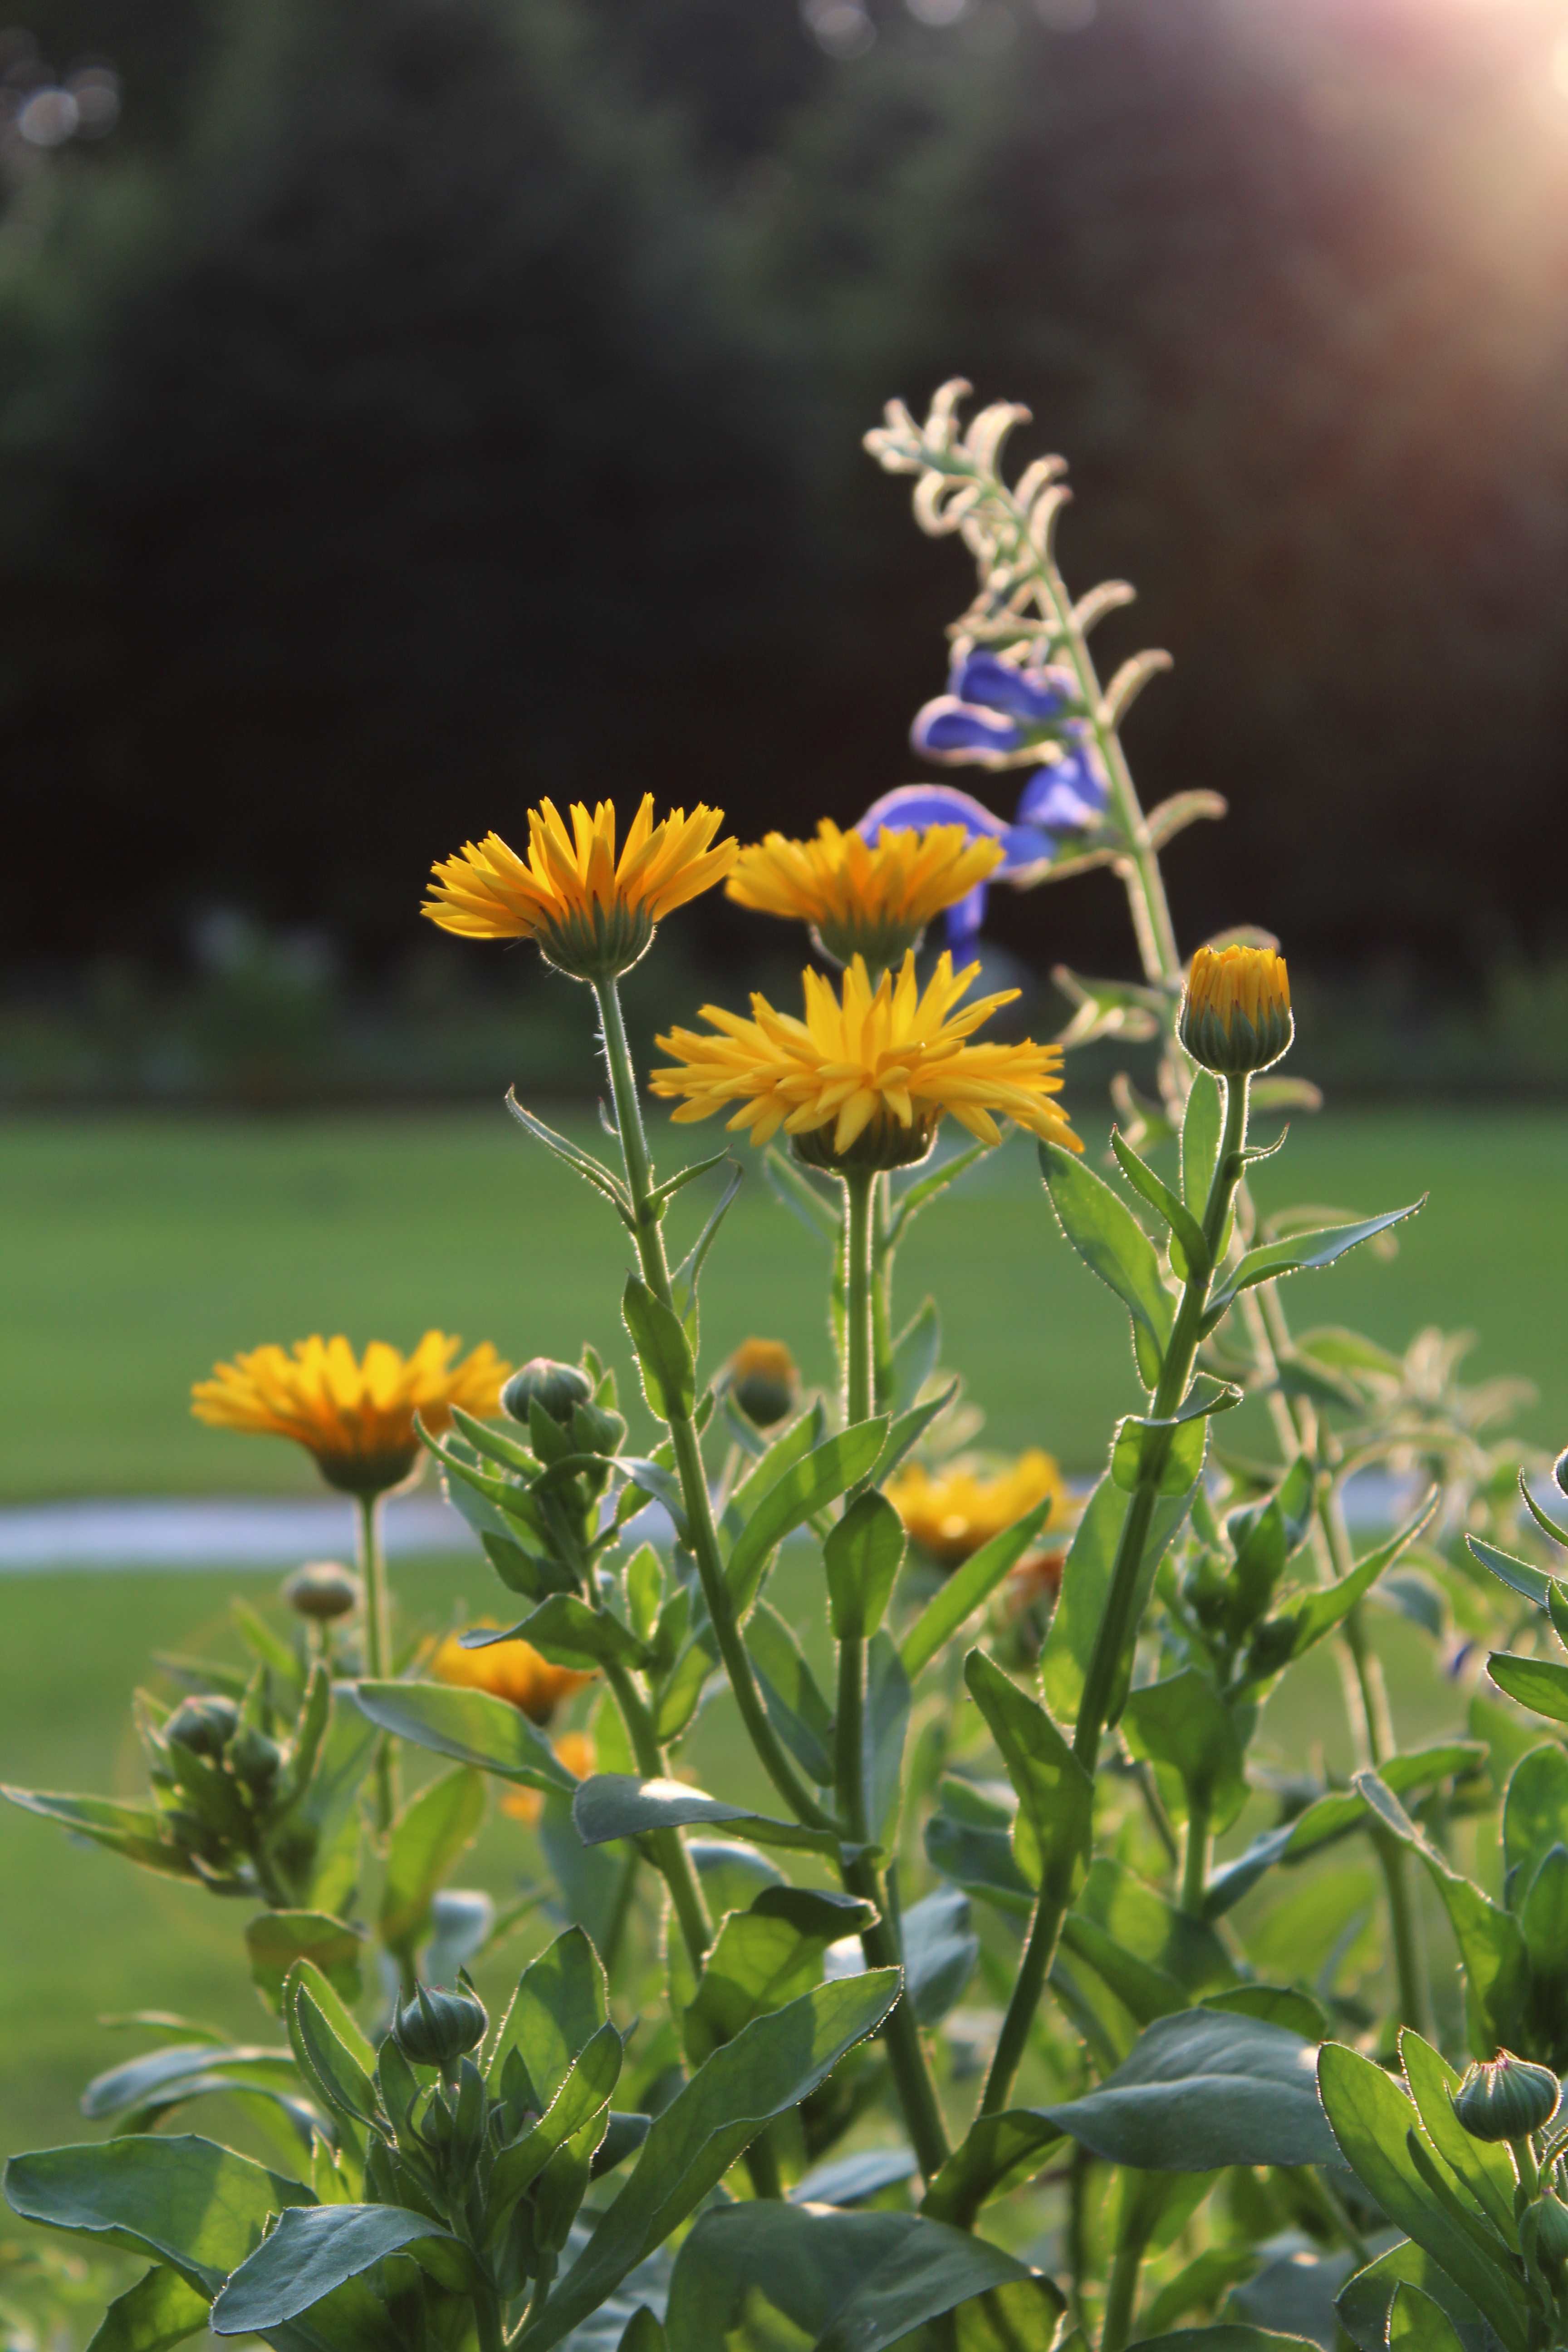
x=135, y=1251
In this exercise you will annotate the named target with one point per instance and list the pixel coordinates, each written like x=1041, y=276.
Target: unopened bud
x=1506, y=2097
x=556, y=1387
x=203, y=1725
x=436, y=2028
x=1560, y=1470
x=322, y=1589
x=764, y=1381
x=1546, y=2222
x=1235, y=1013
x=254, y=1757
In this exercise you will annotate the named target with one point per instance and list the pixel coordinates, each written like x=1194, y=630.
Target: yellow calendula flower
x=575, y=1750
x=951, y=1515
x=354, y=1414
x=510, y=1670
x=1236, y=1014
x=867, y=1077
x=872, y=898
x=764, y=1381
x=591, y=913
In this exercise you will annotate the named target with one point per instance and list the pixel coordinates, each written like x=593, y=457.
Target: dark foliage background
x=418, y=405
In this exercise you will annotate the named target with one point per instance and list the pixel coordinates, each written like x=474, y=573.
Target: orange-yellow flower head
x=354, y=1414
x=949, y=1516
x=575, y=1750
x=866, y=1076
x=510, y=1670
x=764, y=1381
x=872, y=898
x=1236, y=1014
x=591, y=913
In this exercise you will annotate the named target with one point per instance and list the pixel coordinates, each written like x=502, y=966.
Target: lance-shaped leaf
x=775, y=2063
x=1203, y=2089
x=1375, y=2125
x=1202, y=1128
x=582, y=1163
x=160, y=2311
x=908, y=1430
x=333, y=2071
x=940, y=1952
x=583, y=2098
x=276, y=1940
x=970, y=1840
x=469, y=1726
x=620, y=1805
x=1183, y=1726
x=1114, y=1245
x=663, y=1351
x=1086, y=1588
x=148, y=2086
x=569, y=1633
x=133, y=1831
x=792, y=1445
x=1483, y=2166
x=1319, y=1611
x=968, y=1589
x=1226, y=2335
x=1492, y=1943
x=433, y=1829
x=803, y=1489
x=999, y=2152
x=1364, y=2303
x=1192, y=1254
x=764, y=1957
x=799, y=1711
x=862, y=1556
x=1154, y=1958
x=1303, y=1254
x=1538, y=1683
x=181, y=2200
x=315, y=2250
x=684, y=1281
x=560, y=2003
x=842, y=2280
x=1334, y=1817
x=1183, y=1433
x=1056, y=1795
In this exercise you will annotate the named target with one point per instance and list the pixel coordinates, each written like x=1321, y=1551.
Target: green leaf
x=802, y=1490
x=160, y=2311
x=1549, y=1526
x=1185, y=1435
x=560, y=2004
x=973, y=1845
x=771, y=2065
x=1538, y=1683
x=862, y=1556
x=1225, y=2335
x=582, y=2098
x=1303, y=1254
x=1492, y=1945
x=1203, y=2089
x=277, y=1940
x=1334, y=1817
x=909, y=1429
x=916, y=1350
x=1155, y=1959
x=926, y=1189
x=469, y=1726
x=1086, y=1590
x=663, y=1351
x=569, y=1633
x=1056, y=1795
x=320, y=2247
x=1114, y=1245
x=762, y=1958
x=789, y=1447
x=165, y=2078
x=1484, y=2167
x=799, y=1711
x=999, y=2152
x=968, y=1589
x=1519, y=1575
x=1329, y=1605
x=1266, y=1535
x=884, y=1726
x=683, y=1282
x=750, y=2274
x=306, y=1977
x=1535, y=1810
x=620, y=1805
x=181, y=2200
x=1201, y=1131
x=1372, y=2122
x=133, y=1831
x=433, y=1829
x=1418, y=2323
x=940, y=1953
x=1186, y=1230
x=332, y=2071
x=591, y=1171
x=1184, y=1728
x=1364, y=2302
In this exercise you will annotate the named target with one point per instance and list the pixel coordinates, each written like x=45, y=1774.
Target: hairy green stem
x=1122, y=2290
x=377, y=1642
x=668, y=1847
x=1196, y=1860
x=648, y=1235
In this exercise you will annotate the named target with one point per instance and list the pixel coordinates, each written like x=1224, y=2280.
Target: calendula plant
x=970, y=2031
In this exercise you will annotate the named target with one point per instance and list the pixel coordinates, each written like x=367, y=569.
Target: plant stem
x=1195, y=1859
x=488, y=2326
x=377, y=1642
x=667, y=1846
x=1115, y=1626
x=1122, y=2291
x=648, y=1235
x=1529, y=2171
x=882, y=1248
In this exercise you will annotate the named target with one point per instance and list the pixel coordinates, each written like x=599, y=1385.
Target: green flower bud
x=254, y=1757
x=594, y=1430
x=322, y=1589
x=436, y=2028
x=1235, y=1011
x=558, y=1388
x=1546, y=2226
x=1506, y=2097
x=1560, y=1470
x=204, y=1726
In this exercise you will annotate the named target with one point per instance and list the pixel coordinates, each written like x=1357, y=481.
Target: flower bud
x=1560, y=1470
x=436, y=2028
x=322, y=1589
x=1506, y=2097
x=254, y=1757
x=1546, y=2226
x=764, y=1381
x=203, y=1725
x=558, y=1387
x=1236, y=1014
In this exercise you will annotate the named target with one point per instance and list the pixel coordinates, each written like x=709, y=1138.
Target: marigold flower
x=575, y=1750
x=591, y=915
x=866, y=1079
x=355, y=1414
x=764, y=1381
x=870, y=892
x=949, y=1516
x=510, y=1670
x=1235, y=1015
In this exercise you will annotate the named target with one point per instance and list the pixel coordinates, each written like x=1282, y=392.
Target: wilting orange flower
x=867, y=1074
x=591, y=916
x=949, y=1516
x=864, y=898
x=355, y=1414
x=764, y=1381
x=510, y=1670
x=575, y=1750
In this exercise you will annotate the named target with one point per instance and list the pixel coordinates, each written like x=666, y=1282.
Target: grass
x=137, y=1251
